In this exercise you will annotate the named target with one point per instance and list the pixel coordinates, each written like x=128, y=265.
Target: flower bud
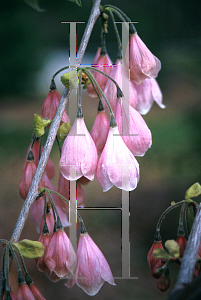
x=143, y=64
x=182, y=242
x=163, y=283
x=154, y=262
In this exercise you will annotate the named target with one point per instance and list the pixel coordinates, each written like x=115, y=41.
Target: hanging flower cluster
x=159, y=259
x=108, y=152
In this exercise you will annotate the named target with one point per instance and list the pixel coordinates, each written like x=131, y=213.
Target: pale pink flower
x=117, y=165
x=120, y=75
x=24, y=292
x=143, y=64
x=148, y=92
x=28, y=172
x=79, y=154
x=50, y=169
x=135, y=132
x=104, y=64
x=50, y=106
x=92, y=267
x=45, y=240
x=99, y=131
x=60, y=256
x=64, y=190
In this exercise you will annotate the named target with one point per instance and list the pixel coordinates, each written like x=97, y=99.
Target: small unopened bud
x=164, y=283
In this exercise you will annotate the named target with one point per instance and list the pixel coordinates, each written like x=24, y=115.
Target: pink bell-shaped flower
x=29, y=170
x=148, y=92
x=64, y=190
x=135, y=132
x=60, y=256
x=45, y=240
x=143, y=64
x=51, y=104
x=120, y=75
x=24, y=292
x=117, y=165
x=92, y=267
x=104, y=64
x=99, y=131
x=79, y=154
x=37, y=294
x=49, y=169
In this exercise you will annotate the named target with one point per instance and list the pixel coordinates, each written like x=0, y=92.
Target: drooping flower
x=49, y=169
x=27, y=177
x=154, y=262
x=64, y=190
x=182, y=242
x=45, y=240
x=104, y=64
x=50, y=106
x=37, y=294
x=143, y=64
x=117, y=165
x=135, y=132
x=24, y=292
x=79, y=154
x=99, y=131
x=120, y=75
x=148, y=92
x=60, y=256
x=92, y=268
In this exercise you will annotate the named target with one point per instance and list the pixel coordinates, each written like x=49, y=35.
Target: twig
x=33, y=191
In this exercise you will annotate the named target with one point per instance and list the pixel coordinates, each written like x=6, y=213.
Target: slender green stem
x=3, y=241
x=106, y=75
x=62, y=69
x=95, y=89
x=116, y=30
x=80, y=90
x=167, y=211
x=180, y=231
x=45, y=207
x=52, y=202
x=21, y=258
x=15, y=256
x=6, y=267
x=40, y=146
x=186, y=221
x=33, y=141
x=119, y=15
x=59, y=146
x=67, y=201
x=92, y=78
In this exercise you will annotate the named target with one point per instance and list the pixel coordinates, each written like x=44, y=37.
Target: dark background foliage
x=33, y=46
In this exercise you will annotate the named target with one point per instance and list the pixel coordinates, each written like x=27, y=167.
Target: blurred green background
x=33, y=46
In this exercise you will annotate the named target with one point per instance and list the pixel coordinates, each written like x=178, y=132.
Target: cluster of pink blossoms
x=109, y=150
